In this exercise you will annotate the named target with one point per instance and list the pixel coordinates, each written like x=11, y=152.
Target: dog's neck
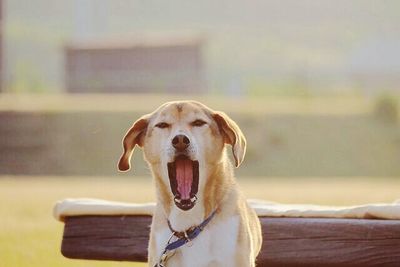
x=217, y=184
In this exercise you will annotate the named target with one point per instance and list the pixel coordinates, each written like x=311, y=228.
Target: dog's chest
x=216, y=246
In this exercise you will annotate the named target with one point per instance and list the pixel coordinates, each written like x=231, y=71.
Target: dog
x=201, y=217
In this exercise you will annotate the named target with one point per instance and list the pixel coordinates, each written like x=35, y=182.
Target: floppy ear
x=232, y=135
x=133, y=137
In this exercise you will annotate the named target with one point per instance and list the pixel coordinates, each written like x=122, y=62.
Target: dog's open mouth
x=184, y=181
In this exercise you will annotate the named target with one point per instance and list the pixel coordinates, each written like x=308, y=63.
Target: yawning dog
x=201, y=217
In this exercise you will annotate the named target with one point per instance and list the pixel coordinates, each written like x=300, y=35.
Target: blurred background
x=314, y=85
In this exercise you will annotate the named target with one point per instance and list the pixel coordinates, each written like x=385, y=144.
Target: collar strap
x=188, y=235
x=183, y=238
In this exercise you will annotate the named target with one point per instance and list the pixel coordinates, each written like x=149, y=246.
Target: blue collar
x=188, y=235
x=183, y=238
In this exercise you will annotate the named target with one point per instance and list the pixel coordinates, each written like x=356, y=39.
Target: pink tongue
x=184, y=177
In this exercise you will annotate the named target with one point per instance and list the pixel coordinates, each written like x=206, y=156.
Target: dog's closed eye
x=198, y=123
x=162, y=125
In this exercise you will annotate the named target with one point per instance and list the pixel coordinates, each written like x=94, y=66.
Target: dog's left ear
x=232, y=135
x=133, y=137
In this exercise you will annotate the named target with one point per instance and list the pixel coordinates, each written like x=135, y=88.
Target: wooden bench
x=287, y=241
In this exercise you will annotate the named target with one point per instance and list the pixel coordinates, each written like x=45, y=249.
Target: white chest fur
x=215, y=246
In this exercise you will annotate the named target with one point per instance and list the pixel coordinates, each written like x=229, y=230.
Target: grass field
x=29, y=235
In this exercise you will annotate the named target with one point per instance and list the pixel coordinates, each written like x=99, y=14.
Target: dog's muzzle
x=184, y=181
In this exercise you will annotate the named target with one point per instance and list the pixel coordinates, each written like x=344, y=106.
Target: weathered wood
x=121, y=238
x=287, y=241
x=330, y=242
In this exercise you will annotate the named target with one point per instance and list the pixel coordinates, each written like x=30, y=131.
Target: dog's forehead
x=180, y=110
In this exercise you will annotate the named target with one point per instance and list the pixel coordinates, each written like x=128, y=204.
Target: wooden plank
x=120, y=238
x=287, y=241
x=330, y=242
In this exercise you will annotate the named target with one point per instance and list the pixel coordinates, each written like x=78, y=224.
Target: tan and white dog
x=184, y=145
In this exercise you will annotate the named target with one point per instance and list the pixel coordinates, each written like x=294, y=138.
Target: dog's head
x=183, y=141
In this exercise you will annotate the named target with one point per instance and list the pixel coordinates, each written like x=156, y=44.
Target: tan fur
x=217, y=189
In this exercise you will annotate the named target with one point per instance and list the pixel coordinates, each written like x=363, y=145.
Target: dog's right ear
x=133, y=137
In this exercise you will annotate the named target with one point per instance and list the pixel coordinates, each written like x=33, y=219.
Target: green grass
x=30, y=236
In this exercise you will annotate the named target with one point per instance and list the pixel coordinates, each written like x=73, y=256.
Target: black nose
x=180, y=142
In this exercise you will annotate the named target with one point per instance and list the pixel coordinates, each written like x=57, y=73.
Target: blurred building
x=151, y=65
